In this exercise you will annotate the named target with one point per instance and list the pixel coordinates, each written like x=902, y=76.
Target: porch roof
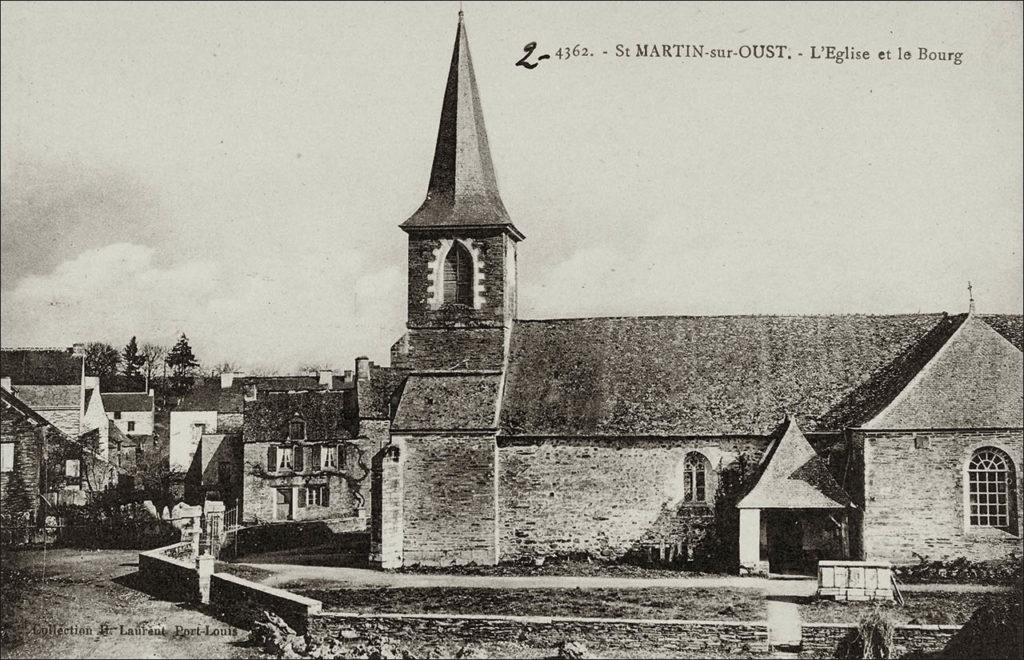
x=793, y=476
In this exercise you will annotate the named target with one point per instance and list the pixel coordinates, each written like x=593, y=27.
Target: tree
x=152, y=354
x=183, y=363
x=101, y=359
x=226, y=367
x=132, y=360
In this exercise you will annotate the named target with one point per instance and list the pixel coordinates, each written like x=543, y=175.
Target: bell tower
x=462, y=243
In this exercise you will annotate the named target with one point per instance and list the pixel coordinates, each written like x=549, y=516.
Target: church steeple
x=463, y=191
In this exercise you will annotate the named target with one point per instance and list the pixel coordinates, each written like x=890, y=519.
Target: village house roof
x=448, y=401
x=16, y=405
x=463, y=189
x=40, y=366
x=50, y=397
x=793, y=476
x=715, y=375
x=128, y=401
x=323, y=412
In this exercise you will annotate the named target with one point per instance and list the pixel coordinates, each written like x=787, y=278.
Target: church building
x=732, y=442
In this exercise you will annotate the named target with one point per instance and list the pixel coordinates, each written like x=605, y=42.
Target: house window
x=117, y=414
x=990, y=481
x=7, y=457
x=297, y=430
x=330, y=456
x=131, y=426
x=695, y=471
x=72, y=473
x=284, y=458
x=279, y=458
x=315, y=496
x=225, y=473
x=458, y=276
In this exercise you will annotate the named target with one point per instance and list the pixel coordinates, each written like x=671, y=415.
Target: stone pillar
x=204, y=567
x=213, y=515
x=750, y=543
x=392, y=523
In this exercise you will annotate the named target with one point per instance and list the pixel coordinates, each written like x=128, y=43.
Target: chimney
x=5, y=383
x=326, y=378
x=363, y=368
x=347, y=378
x=228, y=379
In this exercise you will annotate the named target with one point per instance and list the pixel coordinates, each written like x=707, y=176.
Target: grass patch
x=250, y=573
x=921, y=607
x=651, y=603
x=557, y=567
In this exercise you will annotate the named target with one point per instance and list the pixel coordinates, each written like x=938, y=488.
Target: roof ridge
x=740, y=316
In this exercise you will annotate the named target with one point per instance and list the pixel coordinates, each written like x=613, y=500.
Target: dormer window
x=458, y=276
x=297, y=429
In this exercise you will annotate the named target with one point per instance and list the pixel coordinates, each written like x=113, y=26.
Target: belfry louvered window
x=695, y=475
x=990, y=481
x=458, y=276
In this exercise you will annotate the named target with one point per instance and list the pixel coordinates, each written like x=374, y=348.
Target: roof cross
x=970, y=293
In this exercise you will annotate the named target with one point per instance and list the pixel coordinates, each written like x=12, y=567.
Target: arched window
x=458, y=276
x=990, y=481
x=695, y=478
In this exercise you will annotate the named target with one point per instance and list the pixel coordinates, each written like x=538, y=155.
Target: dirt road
x=85, y=603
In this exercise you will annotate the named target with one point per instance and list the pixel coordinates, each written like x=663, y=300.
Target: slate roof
x=323, y=411
x=128, y=401
x=793, y=476
x=48, y=397
x=448, y=401
x=38, y=366
x=11, y=402
x=209, y=395
x=374, y=397
x=463, y=190
x=713, y=375
x=977, y=368
x=118, y=437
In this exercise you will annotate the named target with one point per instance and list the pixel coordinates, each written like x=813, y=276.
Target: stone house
x=753, y=442
x=40, y=464
x=306, y=454
x=53, y=383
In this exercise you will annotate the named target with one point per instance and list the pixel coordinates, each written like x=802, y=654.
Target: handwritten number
x=528, y=49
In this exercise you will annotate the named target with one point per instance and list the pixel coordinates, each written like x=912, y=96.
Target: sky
x=237, y=172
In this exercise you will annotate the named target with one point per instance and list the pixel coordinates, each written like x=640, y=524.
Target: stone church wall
x=607, y=496
x=914, y=490
x=449, y=504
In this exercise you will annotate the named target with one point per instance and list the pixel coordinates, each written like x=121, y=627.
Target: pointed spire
x=463, y=191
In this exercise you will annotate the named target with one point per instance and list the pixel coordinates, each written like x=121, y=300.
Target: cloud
x=75, y=207
x=278, y=312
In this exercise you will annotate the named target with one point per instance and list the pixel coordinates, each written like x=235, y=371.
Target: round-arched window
x=990, y=485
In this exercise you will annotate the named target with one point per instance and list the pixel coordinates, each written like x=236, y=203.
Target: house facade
x=133, y=413
x=756, y=442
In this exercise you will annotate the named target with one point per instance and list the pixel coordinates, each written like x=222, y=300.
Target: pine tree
x=132, y=360
x=182, y=362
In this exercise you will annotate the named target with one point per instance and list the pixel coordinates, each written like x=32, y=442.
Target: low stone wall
x=823, y=640
x=517, y=636
x=170, y=573
x=242, y=601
